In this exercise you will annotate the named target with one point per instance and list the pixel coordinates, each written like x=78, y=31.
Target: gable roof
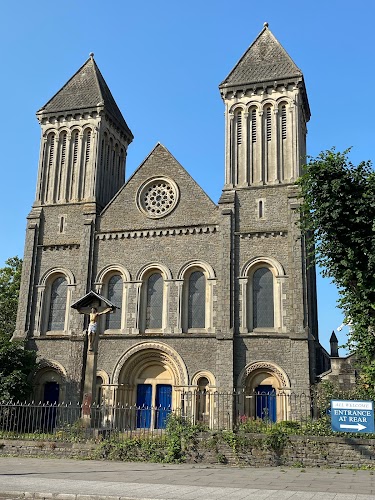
x=85, y=89
x=91, y=297
x=264, y=61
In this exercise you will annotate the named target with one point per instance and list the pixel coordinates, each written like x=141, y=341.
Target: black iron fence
x=208, y=409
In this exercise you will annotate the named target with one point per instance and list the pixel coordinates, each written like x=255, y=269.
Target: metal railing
x=208, y=409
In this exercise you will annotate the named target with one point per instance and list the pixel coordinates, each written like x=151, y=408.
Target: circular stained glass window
x=157, y=197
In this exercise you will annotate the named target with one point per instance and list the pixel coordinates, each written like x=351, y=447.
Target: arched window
x=115, y=288
x=263, y=302
x=57, y=306
x=197, y=300
x=154, y=301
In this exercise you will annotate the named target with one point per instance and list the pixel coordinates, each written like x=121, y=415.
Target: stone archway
x=150, y=375
x=266, y=390
x=49, y=382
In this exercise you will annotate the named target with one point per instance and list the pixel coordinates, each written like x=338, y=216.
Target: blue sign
x=352, y=416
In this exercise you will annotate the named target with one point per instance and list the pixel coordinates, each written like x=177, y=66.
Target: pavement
x=64, y=479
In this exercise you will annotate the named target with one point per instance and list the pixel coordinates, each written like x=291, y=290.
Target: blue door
x=163, y=404
x=50, y=399
x=265, y=400
x=144, y=401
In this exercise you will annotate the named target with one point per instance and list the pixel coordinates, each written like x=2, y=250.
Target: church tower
x=81, y=167
x=273, y=287
x=266, y=110
x=84, y=142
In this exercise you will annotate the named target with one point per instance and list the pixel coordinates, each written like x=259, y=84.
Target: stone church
x=210, y=297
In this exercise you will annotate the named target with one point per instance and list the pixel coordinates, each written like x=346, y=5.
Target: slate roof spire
x=86, y=89
x=265, y=60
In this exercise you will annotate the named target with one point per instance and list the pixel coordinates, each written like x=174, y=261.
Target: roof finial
x=265, y=24
x=91, y=55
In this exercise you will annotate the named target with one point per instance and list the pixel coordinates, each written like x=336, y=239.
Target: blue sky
x=163, y=61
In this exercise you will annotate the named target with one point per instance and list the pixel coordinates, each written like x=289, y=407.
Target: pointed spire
x=334, y=343
x=265, y=60
x=86, y=89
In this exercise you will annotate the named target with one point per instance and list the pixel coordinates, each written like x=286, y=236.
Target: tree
x=16, y=362
x=10, y=280
x=338, y=210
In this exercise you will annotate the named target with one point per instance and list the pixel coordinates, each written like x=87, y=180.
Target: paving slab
x=63, y=479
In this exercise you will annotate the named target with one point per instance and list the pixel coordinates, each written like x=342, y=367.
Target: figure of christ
x=93, y=325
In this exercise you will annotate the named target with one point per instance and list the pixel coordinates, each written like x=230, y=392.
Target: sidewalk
x=94, y=480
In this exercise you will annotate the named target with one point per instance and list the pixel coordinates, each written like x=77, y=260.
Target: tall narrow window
x=75, y=147
x=51, y=153
x=102, y=153
x=113, y=320
x=260, y=209
x=239, y=127
x=283, y=121
x=268, y=124
x=57, y=307
x=154, y=302
x=197, y=300
x=253, y=126
x=263, y=303
x=63, y=148
x=88, y=145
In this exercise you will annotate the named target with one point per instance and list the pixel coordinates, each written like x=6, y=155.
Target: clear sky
x=163, y=61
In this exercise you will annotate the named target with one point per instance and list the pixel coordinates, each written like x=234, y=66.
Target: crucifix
x=92, y=305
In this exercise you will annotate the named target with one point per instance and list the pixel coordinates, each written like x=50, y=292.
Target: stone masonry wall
x=301, y=451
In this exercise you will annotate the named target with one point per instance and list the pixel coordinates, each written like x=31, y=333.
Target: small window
x=115, y=286
x=154, y=301
x=62, y=223
x=263, y=303
x=57, y=309
x=197, y=300
x=260, y=209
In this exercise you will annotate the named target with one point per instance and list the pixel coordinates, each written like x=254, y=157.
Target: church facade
x=213, y=297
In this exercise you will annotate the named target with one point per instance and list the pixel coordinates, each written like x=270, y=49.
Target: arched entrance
x=149, y=377
x=266, y=389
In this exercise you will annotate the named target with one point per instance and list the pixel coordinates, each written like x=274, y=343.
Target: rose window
x=158, y=197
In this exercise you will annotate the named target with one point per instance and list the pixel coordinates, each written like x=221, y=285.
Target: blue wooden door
x=163, y=404
x=144, y=402
x=50, y=396
x=265, y=400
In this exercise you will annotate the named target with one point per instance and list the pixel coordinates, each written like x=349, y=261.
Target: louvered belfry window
x=57, y=308
x=283, y=122
x=253, y=126
x=239, y=127
x=154, y=304
x=263, y=304
x=268, y=124
x=75, y=147
x=197, y=300
x=51, y=149
x=115, y=286
x=88, y=145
